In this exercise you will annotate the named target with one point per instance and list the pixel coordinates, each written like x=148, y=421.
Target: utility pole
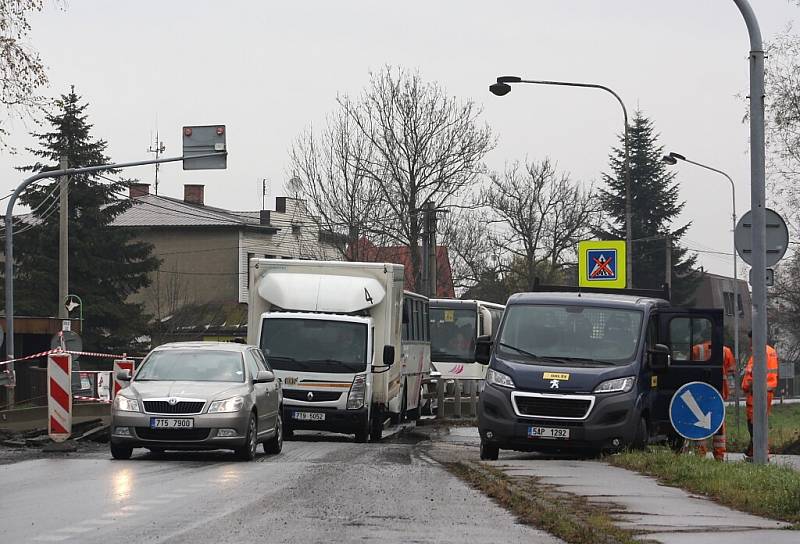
x=432, y=264
x=425, y=253
x=668, y=261
x=158, y=150
x=63, y=241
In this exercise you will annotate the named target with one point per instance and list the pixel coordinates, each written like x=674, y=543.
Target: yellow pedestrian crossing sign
x=601, y=263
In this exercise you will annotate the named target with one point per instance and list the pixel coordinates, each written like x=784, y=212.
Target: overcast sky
x=268, y=69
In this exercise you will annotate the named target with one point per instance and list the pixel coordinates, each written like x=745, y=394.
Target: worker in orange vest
x=747, y=387
x=702, y=352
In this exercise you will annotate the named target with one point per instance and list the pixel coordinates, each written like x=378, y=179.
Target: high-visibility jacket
x=702, y=352
x=772, y=380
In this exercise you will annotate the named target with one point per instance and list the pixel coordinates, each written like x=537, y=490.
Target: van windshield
x=453, y=334
x=569, y=334
x=315, y=345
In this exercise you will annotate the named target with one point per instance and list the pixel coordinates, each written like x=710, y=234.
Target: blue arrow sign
x=696, y=411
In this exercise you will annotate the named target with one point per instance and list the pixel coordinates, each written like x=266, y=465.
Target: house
x=715, y=291
x=204, y=250
x=367, y=251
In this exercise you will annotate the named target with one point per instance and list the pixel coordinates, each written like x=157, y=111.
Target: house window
x=739, y=303
x=249, y=256
x=727, y=299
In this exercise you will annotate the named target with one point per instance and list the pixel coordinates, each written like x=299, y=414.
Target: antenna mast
x=158, y=149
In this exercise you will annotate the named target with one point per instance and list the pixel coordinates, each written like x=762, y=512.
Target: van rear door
x=695, y=340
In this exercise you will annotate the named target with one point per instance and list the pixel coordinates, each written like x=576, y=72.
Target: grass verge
x=765, y=490
x=568, y=517
x=784, y=429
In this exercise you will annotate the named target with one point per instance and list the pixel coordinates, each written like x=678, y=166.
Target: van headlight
x=233, y=404
x=358, y=390
x=498, y=378
x=617, y=385
x=124, y=404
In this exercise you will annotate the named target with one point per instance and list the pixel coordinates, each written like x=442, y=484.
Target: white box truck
x=350, y=347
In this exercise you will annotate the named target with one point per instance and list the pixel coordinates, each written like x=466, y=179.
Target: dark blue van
x=590, y=371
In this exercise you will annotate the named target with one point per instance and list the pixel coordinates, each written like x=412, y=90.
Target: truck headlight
x=498, y=378
x=355, y=399
x=233, y=404
x=617, y=385
x=124, y=404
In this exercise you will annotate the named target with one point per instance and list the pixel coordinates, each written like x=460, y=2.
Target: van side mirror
x=483, y=349
x=123, y=375
x=388, y=355
x=659, y=357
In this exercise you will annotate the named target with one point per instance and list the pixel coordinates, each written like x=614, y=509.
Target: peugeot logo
x=553, y=384
x=310, y=396
x=172, y=401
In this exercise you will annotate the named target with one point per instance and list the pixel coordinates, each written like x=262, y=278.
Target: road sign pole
x=757, y=192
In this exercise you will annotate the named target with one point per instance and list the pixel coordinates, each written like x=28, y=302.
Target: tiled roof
x=163, y=211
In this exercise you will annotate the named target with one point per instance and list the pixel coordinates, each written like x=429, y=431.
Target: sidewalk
x=663, y=514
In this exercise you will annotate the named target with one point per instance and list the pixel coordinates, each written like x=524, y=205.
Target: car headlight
x=355, y=399
x=124, y=404
x=616, y=385
x=233, y=404
x=498, y=378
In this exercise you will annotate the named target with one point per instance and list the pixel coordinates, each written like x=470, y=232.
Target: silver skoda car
x=199, y=395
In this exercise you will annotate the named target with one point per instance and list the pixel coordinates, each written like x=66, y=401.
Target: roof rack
x=664, y=292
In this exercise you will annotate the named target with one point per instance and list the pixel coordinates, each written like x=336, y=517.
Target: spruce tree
x=654, y=207
x=105, y=265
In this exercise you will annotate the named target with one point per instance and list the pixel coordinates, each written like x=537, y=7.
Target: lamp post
x=673, y=159
x=503, y=87
x=70, y=305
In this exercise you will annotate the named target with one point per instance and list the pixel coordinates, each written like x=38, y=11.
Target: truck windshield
x=453, y=334
x=315, y=345
x=569, y=334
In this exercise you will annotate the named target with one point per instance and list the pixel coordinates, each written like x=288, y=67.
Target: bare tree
x=330, y=175
x=425, y=147
x=782, y=82
x=541, y=216
x=22, y=72
x=465, y=233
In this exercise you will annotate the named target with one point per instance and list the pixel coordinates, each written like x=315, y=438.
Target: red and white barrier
x=59, y=396
x=121, y=364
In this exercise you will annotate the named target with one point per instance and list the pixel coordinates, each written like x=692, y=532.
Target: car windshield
x=192, y=365
x=569, y=335
x=453, y=334
x=315, y=345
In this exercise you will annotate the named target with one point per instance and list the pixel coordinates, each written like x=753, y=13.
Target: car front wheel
x=489, y=452
x=248, y=451
x=275, y=444
x=121, y=452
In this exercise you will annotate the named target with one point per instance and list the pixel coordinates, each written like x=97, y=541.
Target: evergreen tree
x=654, y=207
x=105, y=265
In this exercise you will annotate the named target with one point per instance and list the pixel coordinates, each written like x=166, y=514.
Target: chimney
x=136, y=190
x=280, y=204
x=263, y=218
x=193, y=194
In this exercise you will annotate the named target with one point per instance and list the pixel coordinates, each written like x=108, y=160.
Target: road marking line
x=134, y=508
x=51, y=538
x=117, y=514
x=154, y=501
x=97, y=522
x=172, y=496
x=74, y=530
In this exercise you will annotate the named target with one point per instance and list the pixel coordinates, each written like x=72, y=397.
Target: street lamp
x=673, y=159
x=503, y=87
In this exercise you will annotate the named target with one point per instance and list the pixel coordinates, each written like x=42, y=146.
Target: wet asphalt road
x=320, y=489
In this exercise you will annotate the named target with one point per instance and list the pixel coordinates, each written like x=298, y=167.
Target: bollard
x=457, y=399
x=440, y=398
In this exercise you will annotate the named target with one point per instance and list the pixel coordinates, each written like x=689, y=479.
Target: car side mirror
x=483, y=349
x=388, y=355
x=123, y=375
x=264, y=376
x=659, y=357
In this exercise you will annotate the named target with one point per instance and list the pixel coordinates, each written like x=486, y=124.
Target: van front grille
x=552, y=406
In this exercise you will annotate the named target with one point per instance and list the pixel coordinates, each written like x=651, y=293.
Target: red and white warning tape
x=95, y=399
x=52, y=351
